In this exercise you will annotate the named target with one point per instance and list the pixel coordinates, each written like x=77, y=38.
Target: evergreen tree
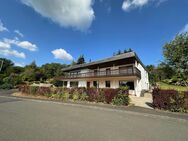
x=81, y=60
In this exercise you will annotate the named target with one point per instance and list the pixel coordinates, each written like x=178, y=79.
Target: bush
x=109, y=94
x=75, y=96
x=122, y=98
x=57, y=96
x=92, y=94
x=33, y=90
x=65, y=96
x=100, y=97
x=6, y=86
x=170, y=100
x=83, y=97
x=43, y=91
x=118, y=96
x=48, y=95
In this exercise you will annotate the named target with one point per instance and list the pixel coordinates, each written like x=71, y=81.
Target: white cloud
x=78, y=14
x=4, y=45
x=19, y=33
x=131, y=4
x=10, y=52
x=6, y=50
x=10, y=41
x=2, y=28
x=62, y=54
x=185, y=29
x=27, y=45
x=19, y=64
x=23, y=44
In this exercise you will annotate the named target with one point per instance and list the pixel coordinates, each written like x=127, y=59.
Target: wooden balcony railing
x=133, y=71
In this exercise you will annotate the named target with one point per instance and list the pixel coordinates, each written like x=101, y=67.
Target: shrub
x=24, y=89
x=92, y=94
x=122, y=98
x=177, y=102
x=59, y=96
x=6, y=86
x=48, y=95
x=185, y=105
x=75, y=96
x=124, y=89
x=43, y=91
x=170, y=100
x=83, y=97
x=54, y=96
x=33, y=90
x=65, y=96
x=109, y=94
x=100, y=97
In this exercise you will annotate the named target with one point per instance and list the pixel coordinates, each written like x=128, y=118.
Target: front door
x=88, y=84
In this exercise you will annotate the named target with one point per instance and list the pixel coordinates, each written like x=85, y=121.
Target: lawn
x=167, y=86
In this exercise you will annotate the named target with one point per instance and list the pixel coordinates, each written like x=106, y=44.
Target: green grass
x=167, y=86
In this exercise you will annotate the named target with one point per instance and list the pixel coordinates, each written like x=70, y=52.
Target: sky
x=60, y=31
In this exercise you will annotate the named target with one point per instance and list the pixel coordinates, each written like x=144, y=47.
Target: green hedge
x=115, y=96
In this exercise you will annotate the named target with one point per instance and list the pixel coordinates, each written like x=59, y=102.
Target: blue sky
x=61, y=30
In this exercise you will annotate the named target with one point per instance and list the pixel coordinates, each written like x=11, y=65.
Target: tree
x=29, y=73
x=152, y=71
x=52, y=70
x=81, y=60
x=119, y=52
x=73, y=63
x=129, y=50
x=165, y=71
x=6, y=65
x=125, y=51
x=176, y=55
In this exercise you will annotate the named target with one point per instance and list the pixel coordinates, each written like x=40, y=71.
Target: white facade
x=143, y=83
x=133, y=74
x=139, y=83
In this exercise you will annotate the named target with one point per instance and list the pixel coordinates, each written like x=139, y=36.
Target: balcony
x=130, y=71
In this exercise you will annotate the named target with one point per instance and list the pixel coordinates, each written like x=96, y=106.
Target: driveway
x=35, y=120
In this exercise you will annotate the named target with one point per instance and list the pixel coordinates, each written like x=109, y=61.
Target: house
x=120, y=70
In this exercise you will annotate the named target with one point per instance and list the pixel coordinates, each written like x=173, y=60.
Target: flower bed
x=170, y=100
x=115, y=96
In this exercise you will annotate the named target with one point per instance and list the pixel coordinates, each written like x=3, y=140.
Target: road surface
x=35, y=120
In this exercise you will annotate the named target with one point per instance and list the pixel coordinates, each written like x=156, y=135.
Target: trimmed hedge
x=105, y=95
x=170, y=100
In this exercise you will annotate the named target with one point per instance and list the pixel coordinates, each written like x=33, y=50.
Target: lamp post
x=1, y=65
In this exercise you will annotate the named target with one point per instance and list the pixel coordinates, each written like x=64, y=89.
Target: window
x=126, y=70
x=130, y=70
x=107, y=83
x=74, y=84
x=95, y=72
x=64, y=83
x=128, y=84
x=88, y=84
x=95, y=84
x=108, y=72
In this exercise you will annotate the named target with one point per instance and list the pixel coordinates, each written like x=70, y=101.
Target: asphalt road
x=34, y=120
